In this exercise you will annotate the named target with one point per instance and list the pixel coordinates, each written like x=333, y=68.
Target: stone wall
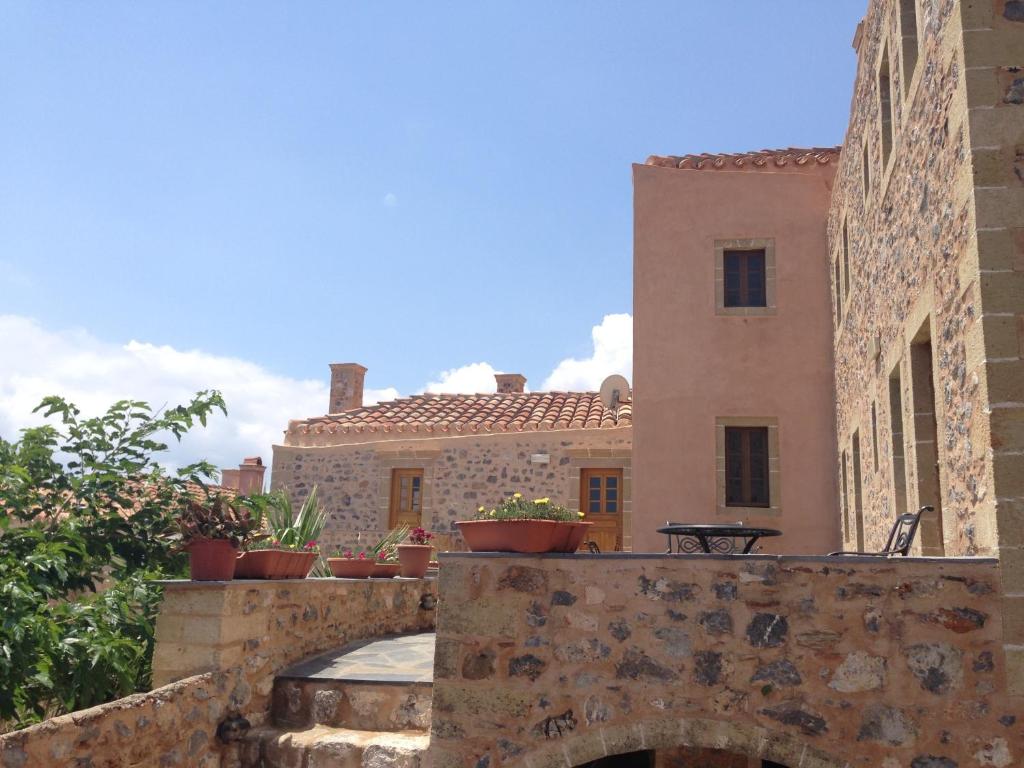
x=174, y=725
x=912, y=256
x=810, y=662
x=459, y=475
x=219, y=646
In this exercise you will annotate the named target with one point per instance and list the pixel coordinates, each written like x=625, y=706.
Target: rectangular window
x=406, y=498
x=908, y=36
x=874, y=433
x=839, y=293
x=844, y=499
x=746, y=467
x=866, y=165
x=899, y=464
x=745, y=278
x=846, y=262
x=885, y=103
x=858, y=508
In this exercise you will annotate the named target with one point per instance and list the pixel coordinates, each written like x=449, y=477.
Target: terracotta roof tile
x=774, y=159
x=491, y=412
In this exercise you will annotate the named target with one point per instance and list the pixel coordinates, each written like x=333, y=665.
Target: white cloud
x=612, y=353
x=372, y=396
x=390, y=200
x=469, y=379
x=93, y=374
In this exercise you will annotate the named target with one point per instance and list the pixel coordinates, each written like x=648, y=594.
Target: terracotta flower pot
x=350, y=567
x=578, y=534
x=274, y=564
x=299, y=564
x=414, y=559
x=211, y=559
x=386, y=570
x=523, y=536
x=259, y=564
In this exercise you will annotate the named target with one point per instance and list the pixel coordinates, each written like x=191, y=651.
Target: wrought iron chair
x=688, y=545
x=901, y=537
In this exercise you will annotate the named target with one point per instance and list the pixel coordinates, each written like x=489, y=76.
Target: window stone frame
x=746, y=244
x=774, y=508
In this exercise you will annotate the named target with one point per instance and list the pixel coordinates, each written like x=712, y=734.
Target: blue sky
x=414, y=186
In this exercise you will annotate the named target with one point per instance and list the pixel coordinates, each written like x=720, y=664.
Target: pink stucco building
x=734, y=414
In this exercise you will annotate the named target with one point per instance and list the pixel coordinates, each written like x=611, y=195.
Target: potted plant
x=288, y=548
x=386, y=566
x=414, y=557
x=349, y=564
x=270, y=559
x=519, y=525
x=385, y=551
x=212, y=531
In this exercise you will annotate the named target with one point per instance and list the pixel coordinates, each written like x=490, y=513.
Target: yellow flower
x=481, y=508
x=541, y=502
x=494, y=513
x=517, y=495
x=580, y=515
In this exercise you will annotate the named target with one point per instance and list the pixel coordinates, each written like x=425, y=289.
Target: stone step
x=363, y=706
x=378, y=685
x=325, y=747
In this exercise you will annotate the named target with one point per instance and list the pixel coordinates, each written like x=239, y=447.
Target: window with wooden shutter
x=746, y=467
x=745, y=278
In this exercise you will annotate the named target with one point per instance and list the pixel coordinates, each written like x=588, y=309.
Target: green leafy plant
x=291, y=530
x=87, y=524
x=515, y=507
x=386, y=549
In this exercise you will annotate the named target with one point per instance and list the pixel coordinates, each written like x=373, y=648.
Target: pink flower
x=310, y=545
x=362, y=555
x=348, y=553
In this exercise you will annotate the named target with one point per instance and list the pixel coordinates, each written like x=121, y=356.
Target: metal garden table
x=713, y=539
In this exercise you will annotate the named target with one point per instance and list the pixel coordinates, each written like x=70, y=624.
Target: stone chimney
x=510, y=382
x=346, y=387
x=247, y=479
x=250, y=475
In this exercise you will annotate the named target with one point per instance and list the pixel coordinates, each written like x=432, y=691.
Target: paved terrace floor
x=396, y=659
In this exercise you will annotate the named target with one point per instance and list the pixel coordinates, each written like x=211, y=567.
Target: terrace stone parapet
x=815, y=662
x=219, y=646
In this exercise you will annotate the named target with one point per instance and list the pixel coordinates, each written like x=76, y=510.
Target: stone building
x=433, y=459
x=926, y=244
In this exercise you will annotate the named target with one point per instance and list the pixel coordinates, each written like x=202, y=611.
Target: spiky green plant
x=295, y=531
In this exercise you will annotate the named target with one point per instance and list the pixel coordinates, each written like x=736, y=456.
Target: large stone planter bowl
x=523, y=536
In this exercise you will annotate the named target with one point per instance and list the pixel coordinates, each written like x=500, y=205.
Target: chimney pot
x=510, y=382
x=346, y=387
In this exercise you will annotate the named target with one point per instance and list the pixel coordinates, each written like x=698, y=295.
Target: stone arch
x=582, y=746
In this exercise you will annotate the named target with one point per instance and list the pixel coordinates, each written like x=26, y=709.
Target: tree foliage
x=87, y=517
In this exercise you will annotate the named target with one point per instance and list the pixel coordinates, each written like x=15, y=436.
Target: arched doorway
x=681, y=757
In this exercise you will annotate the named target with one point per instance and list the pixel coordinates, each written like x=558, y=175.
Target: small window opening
x=909, y=43
x=846, y=262
x=885, y=101
x=745, y=278
x=874, y=433
x=746, y=467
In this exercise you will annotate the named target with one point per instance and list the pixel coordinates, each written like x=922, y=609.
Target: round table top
x=695, y=529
